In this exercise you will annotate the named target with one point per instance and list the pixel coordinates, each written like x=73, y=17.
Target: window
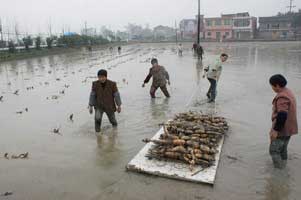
x=227, y=22
x=275, y=26
x=209, y=23
x=209, y=34
x=241, y=22
x=227, y=34
x=218, y=22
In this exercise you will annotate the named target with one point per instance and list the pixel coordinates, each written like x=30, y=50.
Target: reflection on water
x=159, y=107
x=110, y=134
x=199, y=70
x=277, y=185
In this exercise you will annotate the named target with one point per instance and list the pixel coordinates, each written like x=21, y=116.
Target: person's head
x=224, y=57
x=277, y=82
x=154, y=62
x=102, y=75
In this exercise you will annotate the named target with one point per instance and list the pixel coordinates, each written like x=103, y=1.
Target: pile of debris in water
x=191, y=137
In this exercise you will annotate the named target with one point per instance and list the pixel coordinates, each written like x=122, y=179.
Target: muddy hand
x=119, y=109
x=273, y=135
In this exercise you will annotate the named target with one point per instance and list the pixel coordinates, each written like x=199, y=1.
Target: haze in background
x=34, y=16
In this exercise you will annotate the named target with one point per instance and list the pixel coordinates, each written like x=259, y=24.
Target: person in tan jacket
x=284, y=120
x=213, y=73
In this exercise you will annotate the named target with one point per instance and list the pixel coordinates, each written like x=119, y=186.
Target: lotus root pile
x=191, y=137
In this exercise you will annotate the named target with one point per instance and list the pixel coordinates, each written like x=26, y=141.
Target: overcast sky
x=34, y=15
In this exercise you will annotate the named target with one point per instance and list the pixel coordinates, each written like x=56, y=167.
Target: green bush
x=49, y=41
x=77, y=40
x=27, y=42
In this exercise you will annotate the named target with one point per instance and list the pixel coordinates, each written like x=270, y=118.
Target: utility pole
x=176, y=31
x=8, y=34
x=63, y=30
x=1, y=30
x=17, y=32
x=291, y=6
x=86, y=31
x=49, y=28
x=199, y=21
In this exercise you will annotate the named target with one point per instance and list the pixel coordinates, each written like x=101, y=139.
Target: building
x=239, y=26
x=297, y=25
x=282, y=26
x=164, y=33
x=218, y=28
x=244, y=26
x=188, y=28
x=277, y=27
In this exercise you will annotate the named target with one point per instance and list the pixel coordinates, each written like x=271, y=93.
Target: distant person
x=284, y=120
x=111, y=49
x=213, y=73
x=104, y=97
x=180, y=50
x=89, y=47
x=160, y=78
x=200, y=52
x=194, y=47
x=119, y=49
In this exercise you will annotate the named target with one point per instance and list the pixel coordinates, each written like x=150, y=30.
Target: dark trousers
x=211, y=94
x=98, y=118
x=200, y=56
x=278, y=151
x=163, y=89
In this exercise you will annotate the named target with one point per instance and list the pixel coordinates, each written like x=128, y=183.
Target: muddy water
x=79, y=165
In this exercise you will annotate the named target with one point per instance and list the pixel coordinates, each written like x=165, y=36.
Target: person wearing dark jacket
x=104, y=97
x=284, y=120
x=160, y=78
x=200, y=52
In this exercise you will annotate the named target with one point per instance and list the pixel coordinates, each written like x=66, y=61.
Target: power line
x=291, y=6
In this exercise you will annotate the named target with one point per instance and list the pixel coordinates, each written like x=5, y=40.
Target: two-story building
x=277, y=27
x=244, y=26
x=239, y=26
x=218, y=28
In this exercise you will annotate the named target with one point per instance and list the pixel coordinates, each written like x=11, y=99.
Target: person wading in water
x=104, y=97
x=160, y=78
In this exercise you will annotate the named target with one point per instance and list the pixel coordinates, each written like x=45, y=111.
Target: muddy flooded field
x=40, y=94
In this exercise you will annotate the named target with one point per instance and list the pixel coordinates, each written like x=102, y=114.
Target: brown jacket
x=105, y=95
x=285, y=101
x=159, y=74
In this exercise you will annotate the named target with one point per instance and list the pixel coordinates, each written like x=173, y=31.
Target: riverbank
x=33, y=53
x=24, y=54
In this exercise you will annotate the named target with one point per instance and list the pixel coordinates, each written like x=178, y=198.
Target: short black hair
x=102, y=72
x=278, y=79
x=224, y=55
x=154, y=60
